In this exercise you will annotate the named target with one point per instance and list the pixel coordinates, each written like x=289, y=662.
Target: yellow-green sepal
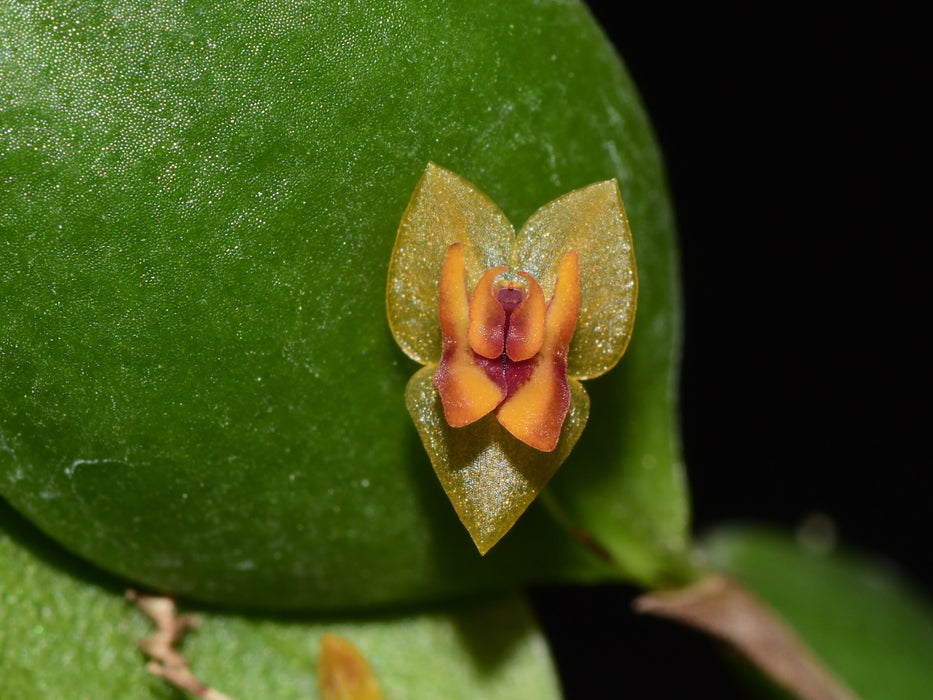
x=489, y=476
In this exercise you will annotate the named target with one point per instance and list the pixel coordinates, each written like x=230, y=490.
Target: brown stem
x=165, y=660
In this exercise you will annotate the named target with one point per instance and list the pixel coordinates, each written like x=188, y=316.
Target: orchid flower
x=506, y=325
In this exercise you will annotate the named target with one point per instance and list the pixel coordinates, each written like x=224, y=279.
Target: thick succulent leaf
x=868, y=623
x=198, y=388
x=592, y=222
x=490, y=477
x=444, y=209
x=72, y=636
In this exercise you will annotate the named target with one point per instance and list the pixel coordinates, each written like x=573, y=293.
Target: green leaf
x=863, y=619
x=198, y=386
x=69, y=636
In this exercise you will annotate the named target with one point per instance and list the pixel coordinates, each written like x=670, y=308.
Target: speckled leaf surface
x=198, y=387
x=67, y=632
x=868, y=623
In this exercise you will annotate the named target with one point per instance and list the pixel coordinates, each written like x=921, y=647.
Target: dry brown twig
x=165, y=660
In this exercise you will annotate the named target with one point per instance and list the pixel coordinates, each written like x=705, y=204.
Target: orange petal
x=466, y=390
x=487, y=317
x=561, y=319
x=526, y=324
x=535, y=412
x=454, y=302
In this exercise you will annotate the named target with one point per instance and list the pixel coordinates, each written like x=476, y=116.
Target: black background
x=797, y=163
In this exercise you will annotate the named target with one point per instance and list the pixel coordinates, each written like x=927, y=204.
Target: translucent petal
x=592, y=222
x=489, y=476
x=444, y=209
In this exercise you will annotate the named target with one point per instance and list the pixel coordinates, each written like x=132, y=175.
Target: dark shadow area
x=793, y=145
x=603, y=649
x=792, y=150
